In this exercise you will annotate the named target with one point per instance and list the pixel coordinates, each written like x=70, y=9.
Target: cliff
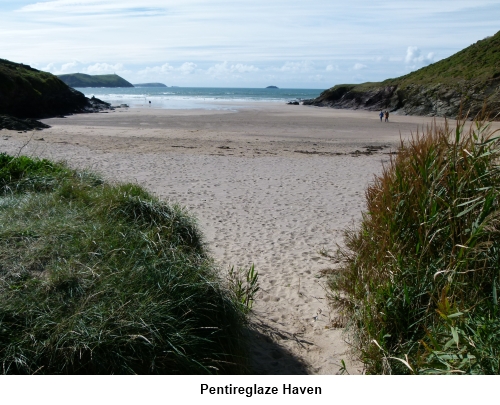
x=469, y=78
x=26, y=92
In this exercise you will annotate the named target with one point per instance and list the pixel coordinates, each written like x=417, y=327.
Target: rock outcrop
x=20, y=124
x=436, y=100
x=464, y=83
x=26, y=92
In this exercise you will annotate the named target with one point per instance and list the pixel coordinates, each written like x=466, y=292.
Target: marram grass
x=420, y=276
x=106, y=279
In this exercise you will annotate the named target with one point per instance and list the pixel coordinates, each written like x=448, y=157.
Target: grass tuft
x=106, y=279
x=419, y=280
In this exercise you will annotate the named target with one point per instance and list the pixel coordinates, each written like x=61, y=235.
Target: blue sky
x=242, y=43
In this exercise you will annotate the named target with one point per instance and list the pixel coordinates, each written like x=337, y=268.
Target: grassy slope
x=29, y=93
x=479, y=63
x=98, y=278
x=12, y=73
x=83, y=80
x=476, y=65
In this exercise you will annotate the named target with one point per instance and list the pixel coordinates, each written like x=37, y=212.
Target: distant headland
x=150, y=85
x=272, y=87
x=82, y=80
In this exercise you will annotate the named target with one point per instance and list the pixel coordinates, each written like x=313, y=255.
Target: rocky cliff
x=470, y=79
x=29, y=93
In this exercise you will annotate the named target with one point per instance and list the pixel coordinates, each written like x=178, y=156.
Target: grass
x=26, y=92
x=106, y=279
x=472, y=75
x=478, y=63
x=418, y=287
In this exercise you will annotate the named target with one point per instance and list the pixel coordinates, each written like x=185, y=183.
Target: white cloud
x=70, y=67
x=359, y=66
x=293, y=39
x=187, y=68
x=163, y=69
x=51, y=67
x=57, y=5
x=298, y=67
x=78, y=67
x=103, y=68
x=414, y=56
x=224, y=68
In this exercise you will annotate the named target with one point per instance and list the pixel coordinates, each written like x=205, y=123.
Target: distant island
x=272, y=87
x=468, y=80
x=150, y=85
x=82, y=80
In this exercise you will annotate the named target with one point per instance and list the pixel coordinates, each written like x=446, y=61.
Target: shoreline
x=257, y=200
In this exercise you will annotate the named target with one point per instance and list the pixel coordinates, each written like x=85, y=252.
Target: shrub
x=420, y=275
x=106, y=279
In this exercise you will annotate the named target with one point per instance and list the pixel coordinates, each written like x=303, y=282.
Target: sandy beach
x=270, y=184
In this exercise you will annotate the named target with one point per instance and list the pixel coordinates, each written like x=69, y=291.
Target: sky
x=311, y=44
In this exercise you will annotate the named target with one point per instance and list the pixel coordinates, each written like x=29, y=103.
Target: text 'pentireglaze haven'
x=255, y=389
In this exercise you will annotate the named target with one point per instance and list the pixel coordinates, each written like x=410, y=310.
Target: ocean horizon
x=210, y=98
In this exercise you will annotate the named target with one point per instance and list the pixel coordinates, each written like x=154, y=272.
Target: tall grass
x=420, y=275
x=106, y=279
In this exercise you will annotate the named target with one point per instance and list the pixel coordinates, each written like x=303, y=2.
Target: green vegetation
x=419, y=283
x=29, y=93
x=83, y=80
x=479, y=63
x=467, y=80
x=106, y=279
x=12, y=73
x=245, y=284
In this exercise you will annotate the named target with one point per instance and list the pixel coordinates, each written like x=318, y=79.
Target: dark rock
x=20, y=124
x=293, y=103
x=430, y=100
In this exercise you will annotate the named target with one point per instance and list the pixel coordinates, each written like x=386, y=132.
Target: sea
x=209, y=98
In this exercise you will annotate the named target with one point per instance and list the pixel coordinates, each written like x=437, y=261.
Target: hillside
x=82, y=80
x=470, y=77
x=29, y=93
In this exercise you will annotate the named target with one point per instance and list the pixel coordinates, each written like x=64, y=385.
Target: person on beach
x=381, y=115
x=387, y=116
